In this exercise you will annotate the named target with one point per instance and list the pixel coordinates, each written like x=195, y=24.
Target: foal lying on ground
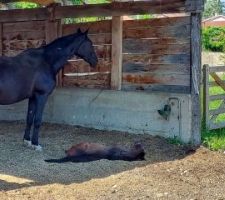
x=86, y=152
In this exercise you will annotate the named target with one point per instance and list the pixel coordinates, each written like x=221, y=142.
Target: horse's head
x=86, y=50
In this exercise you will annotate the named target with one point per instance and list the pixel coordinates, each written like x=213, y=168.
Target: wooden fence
x=214, y=99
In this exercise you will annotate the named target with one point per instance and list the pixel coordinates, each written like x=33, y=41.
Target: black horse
x=32, y=75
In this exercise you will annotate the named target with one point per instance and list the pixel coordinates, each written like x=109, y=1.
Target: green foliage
x=175, y=140
x=213, y=39
x=214, y=140
x=25, y=5
x=212, y=8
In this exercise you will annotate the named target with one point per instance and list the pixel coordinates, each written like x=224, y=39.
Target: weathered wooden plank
x=112, y=9
x=18, y=45
x=29, y=35
x=117, y=37
x=216, y=111
x=1, y=41
x=160, y=32
x=196, y=77
x=18, y=15
x=51, y=31
x=149, y=46
x=217, y=69
x=221, y=106
x=156, y=68
x=214, y=83
x=155, y=78
x=206, y=95
x=26, y=26
x=194, y=6
x=99, y=80
x=157, y=22
x=82, y=66
x=156, y=88
x=213, y=126
x=157, y=59
x=157, y=41
x=122, y=8
x=217, y=97
x=218, y=80
x=104, y=26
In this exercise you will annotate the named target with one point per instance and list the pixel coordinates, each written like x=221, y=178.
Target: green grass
x=215, y=139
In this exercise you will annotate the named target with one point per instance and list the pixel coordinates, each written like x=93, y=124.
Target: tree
x=213, y=8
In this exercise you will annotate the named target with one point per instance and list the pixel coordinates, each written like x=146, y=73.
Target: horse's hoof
x=27, y=143
x=37, y=147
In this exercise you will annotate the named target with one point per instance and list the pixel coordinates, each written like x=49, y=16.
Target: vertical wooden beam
x=53, y=31
x=117, y=37
x=1, y=39
x=206, y=96
x=196, y=76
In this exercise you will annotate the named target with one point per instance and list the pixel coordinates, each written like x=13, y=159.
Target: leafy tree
x=213, y=38
x=212, y=8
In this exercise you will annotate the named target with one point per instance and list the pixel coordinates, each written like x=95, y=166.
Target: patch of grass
x=214, y=139
x=175, y=140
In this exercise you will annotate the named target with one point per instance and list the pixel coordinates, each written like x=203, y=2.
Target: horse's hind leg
x=40, y=104
x=29, y=121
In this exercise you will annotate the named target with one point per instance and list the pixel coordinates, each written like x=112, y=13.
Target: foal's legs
x=40, y=104
x=29, y=121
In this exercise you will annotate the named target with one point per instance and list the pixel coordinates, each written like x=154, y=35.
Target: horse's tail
x=60, y=160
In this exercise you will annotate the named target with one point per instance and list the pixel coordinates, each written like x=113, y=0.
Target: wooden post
x=117, y=37
x=206, y=96
x=196, y=76
x=1, y=40
x=53, y=31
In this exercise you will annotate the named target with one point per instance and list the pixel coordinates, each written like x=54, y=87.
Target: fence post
x=195, y=77
x=206, y=96
x=53, y=31
x=117, y=39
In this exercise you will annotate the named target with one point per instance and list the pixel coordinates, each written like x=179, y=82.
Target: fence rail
x=212, y=77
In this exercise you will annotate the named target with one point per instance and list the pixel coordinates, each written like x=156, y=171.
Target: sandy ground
x=168, y=172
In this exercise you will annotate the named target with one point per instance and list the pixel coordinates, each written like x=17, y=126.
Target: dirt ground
x=168, y=172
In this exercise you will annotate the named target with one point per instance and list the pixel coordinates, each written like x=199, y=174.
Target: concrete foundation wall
x=134, y=112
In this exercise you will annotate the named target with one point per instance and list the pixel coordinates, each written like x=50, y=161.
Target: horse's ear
x=79, y=31
x=86, y=32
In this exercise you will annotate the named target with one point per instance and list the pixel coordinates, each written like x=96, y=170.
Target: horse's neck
x=57, y=59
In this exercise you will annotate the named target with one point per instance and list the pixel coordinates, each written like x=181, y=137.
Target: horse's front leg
x=29, y=121
x=40, y=104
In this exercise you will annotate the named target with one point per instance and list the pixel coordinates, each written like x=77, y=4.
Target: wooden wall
x=155, y=52
x=156, y=55
x=17, y=37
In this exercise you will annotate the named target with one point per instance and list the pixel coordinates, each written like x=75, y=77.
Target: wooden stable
x=162, y=54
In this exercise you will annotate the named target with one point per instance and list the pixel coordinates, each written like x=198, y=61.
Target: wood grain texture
x=155, y=78
x=99, y=80
x=117, y=37
x=156, y=88
x=196, y=76
x=80, y=66
x=108, y=9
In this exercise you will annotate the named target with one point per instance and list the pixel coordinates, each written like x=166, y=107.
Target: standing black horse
x=32, y=75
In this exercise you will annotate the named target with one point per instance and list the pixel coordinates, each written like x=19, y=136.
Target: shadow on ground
x=21, y=167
